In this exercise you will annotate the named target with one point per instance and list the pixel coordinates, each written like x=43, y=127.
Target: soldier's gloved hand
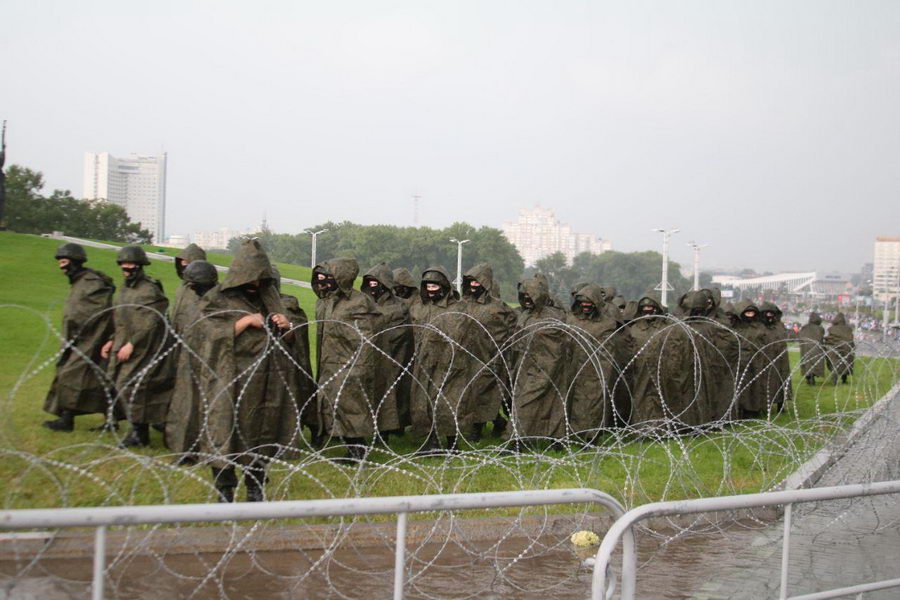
x=124, y=352
x=104, y=351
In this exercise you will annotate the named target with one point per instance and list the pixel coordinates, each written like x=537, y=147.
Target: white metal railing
x=623, y=529
x=103, y=517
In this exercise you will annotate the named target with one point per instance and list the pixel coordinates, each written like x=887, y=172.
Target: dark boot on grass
x=499, y=426
x=452, y=444
x=431, y=447
x=65, y=422
x=138, y=436
x=225, y=482
x=356, y=452
x=811, y=380
x=475, y=434
x=255, y=491
x=843, y=379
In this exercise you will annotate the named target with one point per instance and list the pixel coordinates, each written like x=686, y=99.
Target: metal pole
x=99, y=562
x=314, y=235
x=400, y=557
x=786, y=550
x=664, y=285
x=458, y=280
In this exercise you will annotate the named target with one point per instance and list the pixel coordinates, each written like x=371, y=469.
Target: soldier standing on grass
x=395, y=338
x=247, y=419
x=183, y=419
x=812, y=357
x=79, y=386
x=347, y=360
x=488, y=332
x=138, y=347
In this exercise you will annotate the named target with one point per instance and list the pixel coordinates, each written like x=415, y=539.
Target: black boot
x=255, y=480
x=225, y=482
x=138, y=436
x=356, y=452
x=499, y=426
x=811, y=380
x=452, y=444
x=843, y=379
x=65, y=422
x=432, y=446
x=475, y=435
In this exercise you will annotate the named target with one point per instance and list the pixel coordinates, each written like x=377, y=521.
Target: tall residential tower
x=136, y=183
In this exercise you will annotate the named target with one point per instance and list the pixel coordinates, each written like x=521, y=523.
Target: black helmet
x=202, y=272
x=72, y=252
x=132, y=254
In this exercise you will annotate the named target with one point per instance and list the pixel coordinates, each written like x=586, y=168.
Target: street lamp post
x=314, y=236
x=458, y=281
x=696, y=248
x=664, y=284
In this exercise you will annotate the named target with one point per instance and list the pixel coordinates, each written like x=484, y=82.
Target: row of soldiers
x=227, y=375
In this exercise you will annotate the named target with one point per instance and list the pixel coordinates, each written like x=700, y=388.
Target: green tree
x=30, y=212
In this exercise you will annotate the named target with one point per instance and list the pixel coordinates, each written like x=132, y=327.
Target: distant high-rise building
x=538, y=233
x=217, y=239
x=886, y=268
x=136, y=183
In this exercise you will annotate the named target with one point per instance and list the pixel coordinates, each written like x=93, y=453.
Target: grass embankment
x=46, y=469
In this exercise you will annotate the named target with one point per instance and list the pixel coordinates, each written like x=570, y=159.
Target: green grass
x=46, y=469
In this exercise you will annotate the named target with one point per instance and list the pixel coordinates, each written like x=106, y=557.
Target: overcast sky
x=770, y=130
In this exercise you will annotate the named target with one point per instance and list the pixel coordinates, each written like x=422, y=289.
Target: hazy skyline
x=765, y=129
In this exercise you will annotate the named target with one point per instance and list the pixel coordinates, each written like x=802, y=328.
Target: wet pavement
x=833, y=544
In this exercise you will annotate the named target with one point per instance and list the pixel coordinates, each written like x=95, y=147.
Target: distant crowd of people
x=225, y=372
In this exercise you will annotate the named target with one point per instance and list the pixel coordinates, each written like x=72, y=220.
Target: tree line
x=29, y=211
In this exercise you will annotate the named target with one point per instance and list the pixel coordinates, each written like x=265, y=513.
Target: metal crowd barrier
x=623, y=529
x=124, y=516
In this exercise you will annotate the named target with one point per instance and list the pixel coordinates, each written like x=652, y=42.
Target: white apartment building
x=136, y=183
x=217, y=239
x=886, y=267
x=537, y=233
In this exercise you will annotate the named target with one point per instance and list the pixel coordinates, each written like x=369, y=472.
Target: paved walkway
x=833, y=544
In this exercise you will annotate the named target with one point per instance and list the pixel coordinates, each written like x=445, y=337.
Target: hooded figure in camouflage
x=662, y=371
x=405, y=288
x=840, y=349
x=812, y=354
x=292, y=362
x=714, y=352
x=346, y=355
x=182, y=260
x=597, y=352
x=395, y=338
x=441, y=365
x=752, y=362
x=79, y=387
x=247, y=418
x=491, y=325
x=541, y=359
x=138, y=349
x=777, y=376
x=183, y=420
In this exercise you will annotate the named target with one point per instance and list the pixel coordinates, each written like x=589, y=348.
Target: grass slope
x=47, y=469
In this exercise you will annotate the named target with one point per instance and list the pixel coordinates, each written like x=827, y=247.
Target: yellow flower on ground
x=584, y=538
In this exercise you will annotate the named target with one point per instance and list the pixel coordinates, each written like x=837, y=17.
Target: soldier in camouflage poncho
x=441, y=366
x=79, y=386
x=812, y=355
x=491, y=324
x=138, y=349
x=541, y=354
x=840, y=349
x=777, y=376
x=248, y=418
x=597, y=352
x=346, y=355
x=395, y=338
